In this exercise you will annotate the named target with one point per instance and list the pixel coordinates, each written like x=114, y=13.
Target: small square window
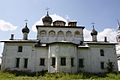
x=20, y=48
x=42, y=61
x=63, y=61
x=101, y=52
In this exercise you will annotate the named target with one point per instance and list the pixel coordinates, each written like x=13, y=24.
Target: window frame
x=63, y=61
x=72, y=62
x=102, y=65
x=53, y=61
x=20, y=48
x=25, y=62
x=42, y=61
x=17, y=63
x=81, y=63
x=102, y=52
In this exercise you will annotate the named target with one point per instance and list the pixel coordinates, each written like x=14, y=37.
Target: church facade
x=59, y=48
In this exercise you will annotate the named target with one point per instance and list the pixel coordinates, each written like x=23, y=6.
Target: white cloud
x=57, y=17
x=37, y=23
x=54, y=18
x=6, y=26
x=109, y=33
x=87, y=36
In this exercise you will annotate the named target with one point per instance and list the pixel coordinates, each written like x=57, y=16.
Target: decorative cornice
x=37, y=26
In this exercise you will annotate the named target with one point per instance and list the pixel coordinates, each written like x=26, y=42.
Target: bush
x=43, y=75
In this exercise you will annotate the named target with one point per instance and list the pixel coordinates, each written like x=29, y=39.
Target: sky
x=104, y=13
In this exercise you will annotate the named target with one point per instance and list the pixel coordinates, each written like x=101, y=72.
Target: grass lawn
x=7, y=75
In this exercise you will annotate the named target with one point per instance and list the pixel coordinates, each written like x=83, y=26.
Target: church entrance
x=53, y=61
x=53, y=65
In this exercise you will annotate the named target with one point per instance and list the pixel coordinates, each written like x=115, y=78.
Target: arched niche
x=68, y=34
x=43, y=33
x=77, y=34
x=52, y=33
x=60, y=34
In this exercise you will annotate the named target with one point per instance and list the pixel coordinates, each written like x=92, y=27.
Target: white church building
x=59, y=48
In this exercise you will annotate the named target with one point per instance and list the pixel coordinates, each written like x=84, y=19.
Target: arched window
x=77, y=34
x=52, y=33
x=68, y=34
x=60, y=34
x=43, y=33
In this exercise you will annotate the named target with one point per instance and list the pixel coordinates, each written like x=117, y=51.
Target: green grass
x=15, y=75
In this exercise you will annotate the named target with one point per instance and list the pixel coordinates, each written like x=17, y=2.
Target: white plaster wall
x=118, y=54
x=92, y=57
x=40, y=52
x=48, y=39
x=59, y=50
x=11, y=53
x=84, y=53
x=33, y=54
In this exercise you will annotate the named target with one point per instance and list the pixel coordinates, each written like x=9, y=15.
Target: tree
x=110, y=66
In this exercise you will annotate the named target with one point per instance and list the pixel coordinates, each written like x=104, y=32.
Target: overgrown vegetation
x=16, y=75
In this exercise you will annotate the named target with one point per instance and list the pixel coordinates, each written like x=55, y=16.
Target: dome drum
x=59, y=23
x=72, y=23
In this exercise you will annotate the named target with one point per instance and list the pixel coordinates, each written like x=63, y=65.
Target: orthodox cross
x=47, y=9
x=93, y=24
x=26, y=21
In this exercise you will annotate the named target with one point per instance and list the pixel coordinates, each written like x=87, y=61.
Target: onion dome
x=94, y=32
x=47, y=18
x=25, y=29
